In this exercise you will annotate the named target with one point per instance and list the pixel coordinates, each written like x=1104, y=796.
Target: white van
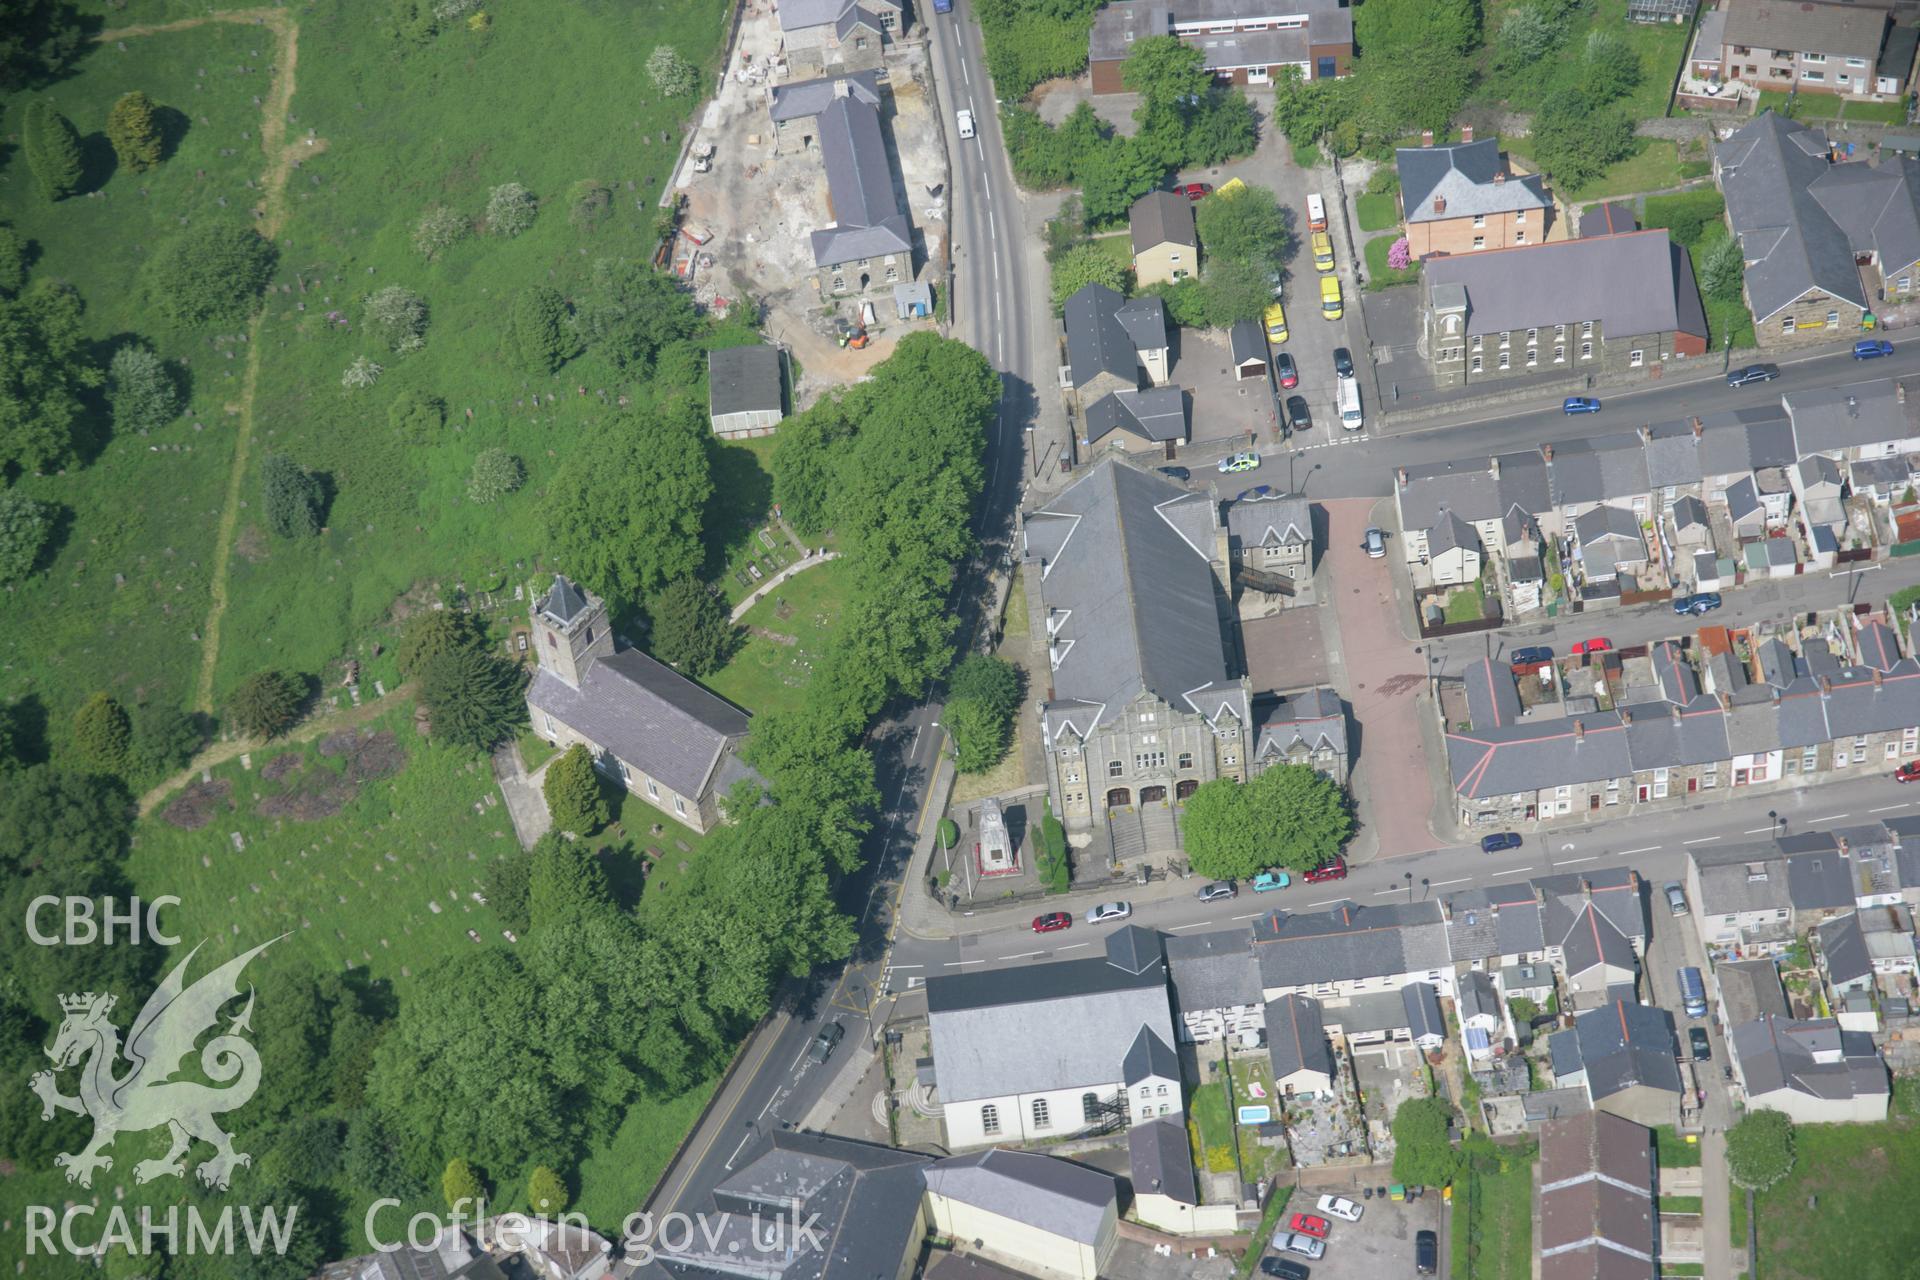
x=1316, y=212
x=1349, y=402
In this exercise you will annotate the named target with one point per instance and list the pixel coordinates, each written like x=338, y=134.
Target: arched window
x=1040, y=1120
x=990, y=1119
x=1090, y=1108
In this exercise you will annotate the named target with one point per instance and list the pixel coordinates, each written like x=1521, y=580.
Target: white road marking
x=1076, y=946
x=1381, y=893
x=1567, y=862
x=1024, y=955
x=1441, y=884
x=1250, y=917
x=1195, y=925
x=955, y=964
x=1758, y=830
x=1652, y=848
x=1887, y=808
x=1702, y=840
x=963, y=73
x=1326, y=902
x=1513, y=869
x=906, y=966
x=1832, y=817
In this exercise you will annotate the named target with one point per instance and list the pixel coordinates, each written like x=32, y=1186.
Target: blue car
x=1587, y=404
x=1872, y=348
x=1531, y=656
x=1500, y=840
x=1705, y=602
x=1270, y=880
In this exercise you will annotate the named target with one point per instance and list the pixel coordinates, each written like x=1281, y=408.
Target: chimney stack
x=1698, y=428
x=1499, y=176
x=1826, y=687
x=1546, y=450
x=1879, y=677
x=1626, y=715
x=1426, y=137
x=1579, y=730
x=1403, y=477
x=1493, y=466
x=1676, y=713
x=1439, y=204
x=1466, y=133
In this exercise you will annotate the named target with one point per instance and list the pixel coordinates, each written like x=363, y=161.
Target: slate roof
x=869, y=221
x=1463, y=175
x=1847, y=30
x=1499, y=920
x=1247, y=343
x=1593, y=941
x=1297, y=1037
x=1606, y=219
x=1843, y=949
x=1116, y=25
x=1749, y=989
x=1603, y=522
x=1348, y=941
x=866, y=1198
x=1767, y=170
x=564, y=601
x=1675, y=675
x=743, y=380
x=1478, y=996
x=798, y=15
x=647, y=714
x=1493, y=700
x=1743, y=499
x=1057, y=1196
x=1630, y=283
x=1597, y=1215
x=1060, y=1025
x=1314, y=718
x=1106, y=333
x=1609, y=468
x=1478, y=489
x=1161, y=217
x=810, y=97
x=1147, y=1057
x=1834, y=418
x=1619, y=1045
x=1125, y=559
x=1158, y=414
x=1804, y=872
x=1879, y=645
x=1423, y=1010
x=1887, y=474
x=1213, y=970
x=1284, y=521
x=1778, y=1054
x=1161, y=1161
x=1614, y=891
x=1449, y=532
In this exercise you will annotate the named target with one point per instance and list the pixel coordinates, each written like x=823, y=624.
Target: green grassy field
x=1672, y=1151
x=1492, y=1237
x=738, y=532
x=1378, y=211
x=1660, y=47
x=1866, y=1177
x=121, y=603
x=786, y=631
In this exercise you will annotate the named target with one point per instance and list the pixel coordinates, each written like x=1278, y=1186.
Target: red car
x=1335, y=870
x=1908, y=772
x=1599, y=644
x=1307, y=1224
x=1197, y=190
x=1052, y=922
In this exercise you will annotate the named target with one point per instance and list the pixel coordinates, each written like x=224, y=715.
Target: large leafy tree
x=1422, y=1154
x=52, y=145
x=211, y=275
x=572, y=789
x=1576, y=138
x=624, y=513
x=806, y=464
x=25, y=526
x=1760, y=1149
x=634, y=310
x=266, y=704
x=38, y=41
x=144, y=393
x=1288, y=816
x=1086, y=264
x=460, y=1185
x=982, y=698
x=434, y=632
x=103, y=732
x=1248, y=226
x=540, y=336
x=134, y=132
x=44, y=372
x=292, y=497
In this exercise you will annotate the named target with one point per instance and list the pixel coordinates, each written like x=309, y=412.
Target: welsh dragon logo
x=148, y=1095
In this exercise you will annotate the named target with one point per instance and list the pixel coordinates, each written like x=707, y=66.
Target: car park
x=1197, y=190
x=825, y=1041
x=1215, y=890
x=1676, y=898
x=1285, y=370
x=1109, y=911
x=1339, y=1207
x=1246, y=460
x=1299, y=417
x=1753, y=373
x=1375, y=544
x=1176, y=473
x=1342, y=362
x=1052, y=922
x=1580, y=404
x=1276, y=319
x=1426, y=1253
x=965, y=119
x=1908, y=772
x=1531, y=655
x=1500, y=840
x=1872, y=348
x=1305, y=1246
x=1702, y=602
x=1307, y=1224
x=1267, y=881
x=1599, y=644
x=1285, y=1269
x=1334, y=870
x=1702, y=1046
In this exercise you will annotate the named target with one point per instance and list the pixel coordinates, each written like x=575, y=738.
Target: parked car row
x=1305, y=1235
x=1271, y=879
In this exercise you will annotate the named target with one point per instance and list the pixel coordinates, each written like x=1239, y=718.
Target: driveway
x=1378, y=671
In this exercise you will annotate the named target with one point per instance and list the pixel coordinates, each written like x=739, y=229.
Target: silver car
x=1375, y=545
x=1294, y=1242
x=1676, y=899
x=1215, y=890
x=1109, y=911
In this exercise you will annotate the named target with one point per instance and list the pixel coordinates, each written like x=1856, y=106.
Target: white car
x=1339, y=1207
x=1109, y=911
x=965, y=118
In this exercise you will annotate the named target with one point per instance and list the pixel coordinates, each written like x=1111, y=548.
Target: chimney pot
x=1439, y=204
x=1698, y=428
x=1826, y=686
x=1547, y=450
x=1426, y=137
x=1493, y=466
x=1626, y=715
x=1676, y=713
x=1499, y=176
x=1403, y=477
x=1466, y=133
x=1579, y=730
x=1879, y=677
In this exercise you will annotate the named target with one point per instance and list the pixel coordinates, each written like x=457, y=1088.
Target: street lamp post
x=1033, y=452
x=1773, y=816
x=1409, y=878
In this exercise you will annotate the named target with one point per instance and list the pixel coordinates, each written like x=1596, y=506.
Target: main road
x=995, y=308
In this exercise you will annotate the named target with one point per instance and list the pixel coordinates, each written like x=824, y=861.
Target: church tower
x=570, y=630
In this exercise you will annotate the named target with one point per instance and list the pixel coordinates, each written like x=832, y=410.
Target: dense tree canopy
x=436, y=631
x=211, y=274
x=475, y=699
x=1422, y=1154
x=143, y=391
x=1575, y=138
x=265, y=705
x=133, y=129
x=44, y=371
x=1760, y=1149
x=572, y=789
x=689, y=628
x=1086, y=264
x=52, y=145
x=26, y=525
x=982, y=699
x=38, y=41
x=1288, y=816
x=102, y=732
x=624, y=513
